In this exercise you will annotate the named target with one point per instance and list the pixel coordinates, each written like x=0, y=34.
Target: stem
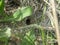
x=55, y=20
x=43, y=36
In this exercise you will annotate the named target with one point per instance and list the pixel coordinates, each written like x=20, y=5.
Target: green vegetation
x=29, y=38
x=17, y=16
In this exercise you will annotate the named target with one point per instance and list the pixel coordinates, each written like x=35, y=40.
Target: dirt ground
x=10, y=8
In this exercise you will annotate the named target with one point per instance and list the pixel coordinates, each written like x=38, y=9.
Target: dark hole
x=13, y=3
x=28, y=21
x=56, y=43
x=39, y=1
x=58, y=15
x=12, y=42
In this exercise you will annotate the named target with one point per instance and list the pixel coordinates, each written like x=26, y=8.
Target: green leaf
x=58, y=1
x=5, y=34
x=8, y=32
x=22, y=13
x=28, y=38
x=1, y=6
x=19, y=15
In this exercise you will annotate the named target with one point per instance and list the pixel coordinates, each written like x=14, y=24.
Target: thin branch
x=36, y=26
x=55, y=20
x=47, y=2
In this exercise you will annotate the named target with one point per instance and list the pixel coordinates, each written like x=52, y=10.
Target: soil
x=10, y=8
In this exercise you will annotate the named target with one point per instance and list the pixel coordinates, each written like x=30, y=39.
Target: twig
x=55, y=20
x=36, y=26
x=47, y=2
x=51, y=18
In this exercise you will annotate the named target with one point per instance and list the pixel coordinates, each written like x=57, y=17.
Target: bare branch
x=55, y=20
x=36, y=26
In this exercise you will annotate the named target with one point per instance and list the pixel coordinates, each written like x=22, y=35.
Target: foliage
x=58, y=1
x=29, y=38
x=1, y=6
x=22, y=13
x=5, y=34
x=18, y=15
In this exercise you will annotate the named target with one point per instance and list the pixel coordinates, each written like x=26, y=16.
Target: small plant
x=28, y=39
x=5, y=34
x=1, y=6
x=17, y=16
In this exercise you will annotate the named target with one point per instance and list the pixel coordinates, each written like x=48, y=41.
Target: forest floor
x=12, y=5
